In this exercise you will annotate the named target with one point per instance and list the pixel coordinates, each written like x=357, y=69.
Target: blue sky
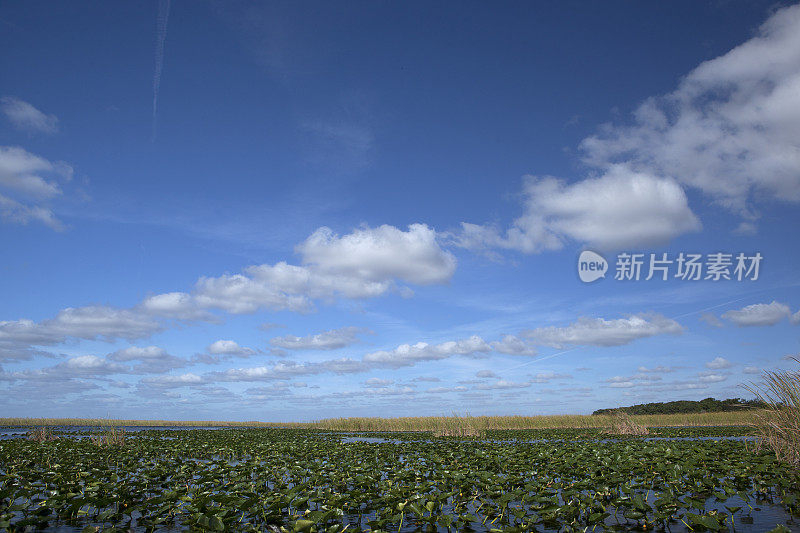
x=291, y=211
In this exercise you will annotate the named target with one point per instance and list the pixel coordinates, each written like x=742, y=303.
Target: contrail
x=161, y=36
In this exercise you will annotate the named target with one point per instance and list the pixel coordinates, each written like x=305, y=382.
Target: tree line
x=709, y=405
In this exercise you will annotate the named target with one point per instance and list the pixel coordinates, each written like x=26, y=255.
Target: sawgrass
x=435, y=423
x=778, y=427
x=432, y=424
x=623, y=424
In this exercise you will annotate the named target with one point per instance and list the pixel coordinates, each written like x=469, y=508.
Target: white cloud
x=486, y=374
x=719, y=363
x=656, y=369
x=795, y=318
x=91, y=322
x=408, y=355
x=546, y=377
x=758, y=314
x=22, y=175
x=711, y=320
x=429, y=379
x=363, y=264
x=732, y=127
x=152, y=359
x=602, y=332
x=26, y=117
x=289, y=369
x=21, y=171
x=380, y=254
x=619, y=209
x=181, y=380
x=228, y=347
x=378, y=382
x=710, y=377
x=752, y=370
x=502, y=384
x=512, y=345
x=327, y=340
x=18, y=213
x=177, y=305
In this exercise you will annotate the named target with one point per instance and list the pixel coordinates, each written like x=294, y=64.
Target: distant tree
x=708, y=405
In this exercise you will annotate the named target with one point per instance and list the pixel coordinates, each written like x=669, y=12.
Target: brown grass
x=621, y=423
x=41, y=434
x=424, y=423
x=778, y=426
x=110, y=437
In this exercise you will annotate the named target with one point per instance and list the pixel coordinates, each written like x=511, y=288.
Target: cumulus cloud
x=182, y=380
x=283, y=370
x=752, y=370
x=27, y=184
x=228, y=347
x=795, y=318
x=602, y=332
x=363, y=264
x=621, y=208
x=711, y=377
x=660, y=369
x=485, y=374
x=327, y=340
x=151, y=359
x=379, y=254
x=21, y=171
x=730, y=129
x=513, y=345
x=408, y=354
x=719, y=363
x=176, y=305
x=502, y=384
x=378, y=382
x=90, y=323
x=758, y=314
x=26, y=117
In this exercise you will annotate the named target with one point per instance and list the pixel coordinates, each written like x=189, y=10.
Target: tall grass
x=622, y=424
x=112, y=436
x=33, y=422
x=779, y=425
x=41, y=434
x=422, y=423
x=434, y=423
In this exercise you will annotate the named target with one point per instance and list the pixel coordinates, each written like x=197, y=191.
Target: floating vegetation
x=310, y=480
x=623, y=424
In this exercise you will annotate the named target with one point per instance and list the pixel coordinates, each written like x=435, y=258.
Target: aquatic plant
x=294, y=480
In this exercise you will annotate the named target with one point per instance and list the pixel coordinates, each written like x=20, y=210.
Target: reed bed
x=110, y=437
x=424, y=423
x=778, y=426
x=34, y=422
x=623, y=424
x=41, y=434
x=434, y=423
